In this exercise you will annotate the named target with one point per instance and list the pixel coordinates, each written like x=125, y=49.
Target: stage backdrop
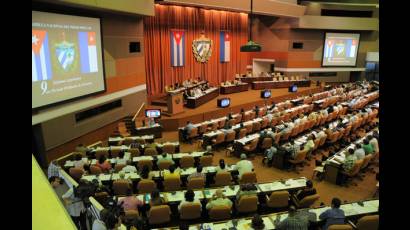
x=157, y=32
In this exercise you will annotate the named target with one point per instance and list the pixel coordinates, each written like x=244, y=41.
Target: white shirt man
x=75, y=206
x=243, y=165
x=359, y=153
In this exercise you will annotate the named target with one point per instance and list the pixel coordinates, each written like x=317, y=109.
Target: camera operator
x=75, y=206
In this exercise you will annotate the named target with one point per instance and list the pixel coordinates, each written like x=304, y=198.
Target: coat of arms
x=202, y=48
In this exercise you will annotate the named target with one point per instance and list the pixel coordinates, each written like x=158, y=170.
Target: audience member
x=189, y=199
x=103, y=164
x=130, y=202
x=53, y=169
x=218, y=200
x=197, y=174
x=332, y=216
x=293, y=221
x=244, y=165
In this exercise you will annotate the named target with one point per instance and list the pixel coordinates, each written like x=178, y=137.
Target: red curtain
x=193, y=21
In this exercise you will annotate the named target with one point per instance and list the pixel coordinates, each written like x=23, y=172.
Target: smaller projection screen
x=340, y=49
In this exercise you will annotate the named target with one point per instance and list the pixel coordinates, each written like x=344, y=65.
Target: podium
x=175, y=103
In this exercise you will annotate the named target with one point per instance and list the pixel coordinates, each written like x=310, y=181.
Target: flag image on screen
x=65, y=52
x=340, y=49
x=225, y=46
x=40, y=52
x=177, y=48
x=88, y=52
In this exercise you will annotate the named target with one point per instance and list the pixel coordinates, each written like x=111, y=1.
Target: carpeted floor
x=364, y=190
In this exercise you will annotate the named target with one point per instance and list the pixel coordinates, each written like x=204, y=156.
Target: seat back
x=168, y=148
x=127, y=141
x=278, y=199
x=141, y=164
x=206, y=160
x=277, y=138
x=248, y=177
x=202, y=128
x=266, y=143
x=99, y=152
x=308, y=201
x=131, y=215
x=186, y=162
x=190, y=211
x=368, y=223
x=172, y=184
x=76, y=173
x=300, y=157
x=115, y=150
x=220, y=213
x=223, y=178
x=118, y=167
x=248, y=127
x=162, y=165
x=256, y=126
x=356, y=168
x=196, y=183
x=150, y=151
x=366, y=161
x=238, y=118
x=120, y=187
x=220, y=138
x=95, y=170
x=134, y=152
x=242, y=133
x=140, y=141
x=230, y=136
x=221, y=123
x=247, y=203
x=253, y=144
x=285, y=136
x=194, y=133
x=340, y=227
x=146, y=186
x=159, y=214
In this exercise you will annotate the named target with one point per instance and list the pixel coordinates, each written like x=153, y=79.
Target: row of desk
x=279, y=84
x=209, y=94
x=352, y=210
x=228, y=89
x=155, y=130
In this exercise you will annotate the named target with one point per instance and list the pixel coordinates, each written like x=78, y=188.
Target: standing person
x=75, y=207
x=332, y=216
x=269, y=153
x=53, y=169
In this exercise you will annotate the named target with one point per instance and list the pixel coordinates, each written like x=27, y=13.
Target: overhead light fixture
x=251, y=46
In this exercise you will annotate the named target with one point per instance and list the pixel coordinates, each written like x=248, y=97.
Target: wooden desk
x=234, y=88
x=155, y=130
x=252, y=79
x=193, y=102
x=279, y=84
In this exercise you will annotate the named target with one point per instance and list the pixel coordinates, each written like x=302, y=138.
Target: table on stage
x=279, y=84
x=228, y=89
x=155, y=130
x=182, y=89
x=252, y=79
x=193, y=102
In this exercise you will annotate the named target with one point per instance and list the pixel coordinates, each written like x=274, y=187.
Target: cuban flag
x=40, y=54
x=88, y=52
x=328, y=49
x=225, y=46
x=353, y=47
x=177, y=48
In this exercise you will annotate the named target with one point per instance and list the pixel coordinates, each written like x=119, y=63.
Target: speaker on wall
x=297, y=45
x=272, y=68
x=135, y=47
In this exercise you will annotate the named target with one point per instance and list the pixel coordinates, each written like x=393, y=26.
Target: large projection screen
x=340, y=49
x=67, y=59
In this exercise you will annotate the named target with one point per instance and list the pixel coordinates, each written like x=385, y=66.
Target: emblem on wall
x=202, y=48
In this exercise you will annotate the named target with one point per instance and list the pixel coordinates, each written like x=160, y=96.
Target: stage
x=245, y=100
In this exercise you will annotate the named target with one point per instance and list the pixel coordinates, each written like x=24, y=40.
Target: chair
x=76, y=173
x=299, y=159
x=146, y=186
x=115, y=150
x=172, y=184
x=141, y=164
x=186, y=162
x=277, y=138
x=95, y=170
x=134, y=152
x=219, y=213
x=221, y=123
x=252, y=115
x=214, y=126
x=150, y=152
x=247, y=204
x=120, y=187
x=159, y=214
x=368, y=223
x=190, y=211
x=162, y=165
x=354, y=171
x=238, y=118
x=99, y=152
x=223, y=178
x=265, y=122
x=285, y=136
x=230, y=136
x=196, y=183
x=251, y=146
x=231, y=122
x=130, y=215
x=206, y=160
x=168, y=148
x=140, y=141
x=193, y=134
x=340, y=227
x=248, y=177
x=202, y=128
x=118, y=167
x=248, y=128
x=305, y=202
x=256, y=126
x=219, y=138
x=278, y=199
x=266, y=143
x=242, y=133
x=127, y=141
